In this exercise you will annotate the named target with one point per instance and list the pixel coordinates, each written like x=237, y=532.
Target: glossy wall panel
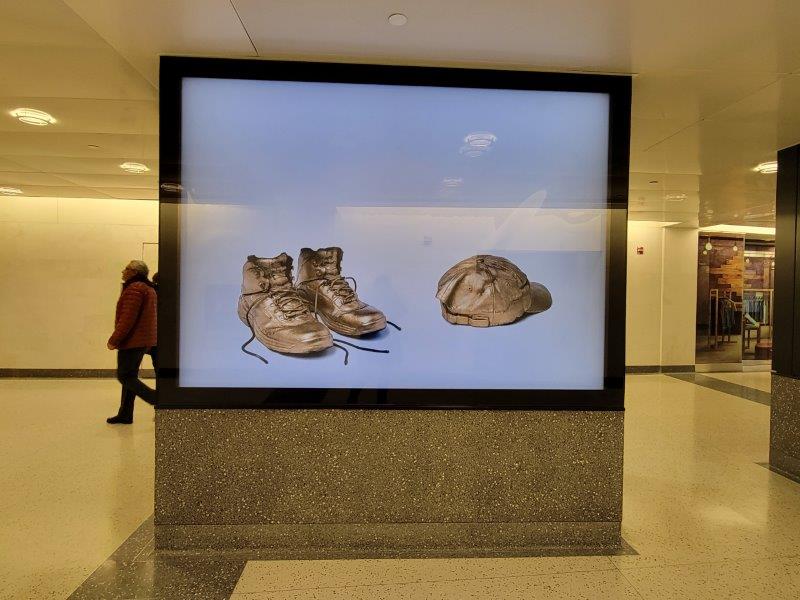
x=786, y=357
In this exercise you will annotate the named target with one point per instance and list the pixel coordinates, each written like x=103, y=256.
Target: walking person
x=134, y=335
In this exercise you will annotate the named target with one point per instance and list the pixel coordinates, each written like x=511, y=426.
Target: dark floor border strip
x=781, y=472
x=135, y=570
x=68, y=373
x=726, y=387
x=641, y=369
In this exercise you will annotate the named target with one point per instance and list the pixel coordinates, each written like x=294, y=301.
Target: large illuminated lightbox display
x=391, y=237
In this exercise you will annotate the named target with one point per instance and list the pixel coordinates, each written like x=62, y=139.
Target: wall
x=661, y=295
x=678, y=297
x=60, y=264
x=643, y=303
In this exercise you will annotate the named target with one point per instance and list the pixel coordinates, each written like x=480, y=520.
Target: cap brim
x=541, y=299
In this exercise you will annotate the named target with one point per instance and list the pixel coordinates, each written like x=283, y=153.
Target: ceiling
x=716, y=83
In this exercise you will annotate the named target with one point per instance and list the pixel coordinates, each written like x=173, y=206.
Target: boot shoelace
x=250, y=325
x=287, y=301
x=339, y=285
x=337, y=342
x=340, y=288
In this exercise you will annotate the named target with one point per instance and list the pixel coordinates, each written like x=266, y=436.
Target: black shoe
x=116, y=419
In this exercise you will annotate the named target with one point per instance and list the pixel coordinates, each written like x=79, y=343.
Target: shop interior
x=735, y=291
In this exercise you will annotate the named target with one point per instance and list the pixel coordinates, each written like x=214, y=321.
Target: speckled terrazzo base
x=784, y=441
x=380, y=480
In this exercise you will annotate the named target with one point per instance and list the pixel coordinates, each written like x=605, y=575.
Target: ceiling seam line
x=107, y=43
x=715, y=113
x=247, y=33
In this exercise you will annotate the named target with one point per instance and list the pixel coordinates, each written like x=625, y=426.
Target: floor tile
x=694, y=491
x=74, y=487
x=706, y=518
x=759, y=380
x=272, y=576
x=767, y=579
x=608, y=585
x=162, y=579
x=720, y=385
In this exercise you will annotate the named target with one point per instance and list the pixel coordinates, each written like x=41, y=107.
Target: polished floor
x=760, y=380
x=706, y=518
x=74, y=488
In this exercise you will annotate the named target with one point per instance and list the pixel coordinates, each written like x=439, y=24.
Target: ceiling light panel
x=738, y=229
x=32, y=116
x=767, y=168
x=134, y=167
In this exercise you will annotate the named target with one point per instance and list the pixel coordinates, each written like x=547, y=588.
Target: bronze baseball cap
x=486, y=290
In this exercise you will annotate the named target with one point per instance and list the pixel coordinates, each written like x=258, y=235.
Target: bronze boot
x=277, y=315
x=320, y=281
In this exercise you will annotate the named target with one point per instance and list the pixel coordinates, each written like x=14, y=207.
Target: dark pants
x=128, y=363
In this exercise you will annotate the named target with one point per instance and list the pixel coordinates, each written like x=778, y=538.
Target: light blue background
x=275, y=166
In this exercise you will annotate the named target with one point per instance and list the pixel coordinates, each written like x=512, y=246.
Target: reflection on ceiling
x=716, y=84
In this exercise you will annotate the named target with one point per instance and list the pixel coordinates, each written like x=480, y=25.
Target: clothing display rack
x=721, y=317
x=756, y=313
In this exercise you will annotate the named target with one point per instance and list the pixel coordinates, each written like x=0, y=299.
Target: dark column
x=785, y=412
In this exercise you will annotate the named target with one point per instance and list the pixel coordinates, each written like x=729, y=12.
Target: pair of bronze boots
x=282, y=313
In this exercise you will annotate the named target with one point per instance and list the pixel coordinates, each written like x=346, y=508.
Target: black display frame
x=172, y=396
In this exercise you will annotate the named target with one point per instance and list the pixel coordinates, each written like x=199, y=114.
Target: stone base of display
x=784, y=440
x=368, y=482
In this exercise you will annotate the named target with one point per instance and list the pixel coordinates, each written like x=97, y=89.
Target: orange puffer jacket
x=135, y=321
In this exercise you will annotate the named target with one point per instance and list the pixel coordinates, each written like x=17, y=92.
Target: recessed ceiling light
x=675, y=197
x=480, y=139
x=134, y=167
x=10, y=191
x=767, y=168
x=31, y=116
x=452, y=181
x=397, y=19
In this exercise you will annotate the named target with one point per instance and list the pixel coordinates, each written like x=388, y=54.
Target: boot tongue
x=277, y=269
x=330, y=260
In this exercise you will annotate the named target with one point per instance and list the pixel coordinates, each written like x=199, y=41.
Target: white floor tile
x=609, y=585
x=74, y=487
x=272, y=576
x=766, y=579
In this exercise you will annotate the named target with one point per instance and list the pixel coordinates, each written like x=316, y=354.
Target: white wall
x=679, y=297
x=643, y=303
x=60, y=264
x=661, y=295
